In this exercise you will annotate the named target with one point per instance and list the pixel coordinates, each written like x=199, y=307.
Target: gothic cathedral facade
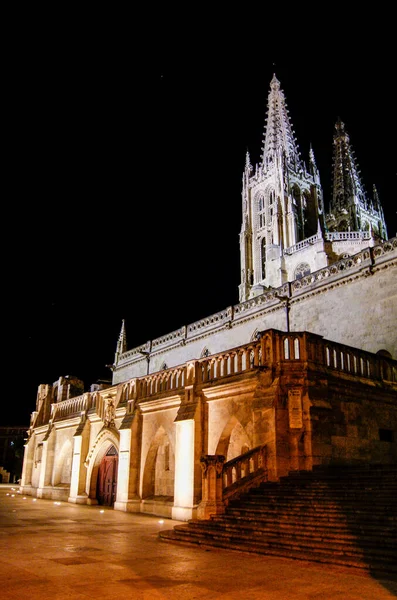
x=301, y=372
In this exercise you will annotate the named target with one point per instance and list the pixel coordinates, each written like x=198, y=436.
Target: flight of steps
x=340, y=515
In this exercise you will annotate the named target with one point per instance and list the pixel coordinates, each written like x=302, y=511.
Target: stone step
x=310, y=514
x=374, y=566
x=348, y=531
x=303, y=547
x=320, y=499
x=338, y=539
x=325, y=488
x=314, y=509
x=336, y=489
x=336, y=516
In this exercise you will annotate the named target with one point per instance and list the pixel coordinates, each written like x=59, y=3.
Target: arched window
x=271, y=204
x=261, y=211
x=263, y=257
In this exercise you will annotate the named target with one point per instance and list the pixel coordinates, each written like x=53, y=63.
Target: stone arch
x=234, y=438
x=105, y=439
x=63, y=465
x=159, y=470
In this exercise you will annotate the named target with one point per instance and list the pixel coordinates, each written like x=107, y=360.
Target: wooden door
x=107, y=478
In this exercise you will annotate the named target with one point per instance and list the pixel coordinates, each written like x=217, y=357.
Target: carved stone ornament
x=212, y=460
x=110, y=412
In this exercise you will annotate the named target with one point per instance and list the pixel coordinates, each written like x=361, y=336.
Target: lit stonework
x=262, y=388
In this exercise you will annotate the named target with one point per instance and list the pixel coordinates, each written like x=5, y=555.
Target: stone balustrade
x=162, y=381
x=243, y=467
x=222, y=481
x=304, y=243
x=71, y=406
x=271, y=348
x=334, y=236
x=229, y=363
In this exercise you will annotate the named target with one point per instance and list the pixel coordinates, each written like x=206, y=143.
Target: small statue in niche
x=109, y=412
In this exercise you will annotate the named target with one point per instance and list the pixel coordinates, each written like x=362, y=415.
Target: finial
x=275, y=84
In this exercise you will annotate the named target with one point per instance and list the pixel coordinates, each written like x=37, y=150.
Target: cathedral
x=302, y=372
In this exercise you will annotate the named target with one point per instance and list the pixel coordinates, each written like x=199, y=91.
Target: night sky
x=124, y=184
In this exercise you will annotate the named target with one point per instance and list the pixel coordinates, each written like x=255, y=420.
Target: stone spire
x=279, y=135
x=248, y=166
x=122, y=341
x=312, y=160
x=350, y=208
x=348, y=192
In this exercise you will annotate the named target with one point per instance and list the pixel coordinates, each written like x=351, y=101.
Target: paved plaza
x=65, y=551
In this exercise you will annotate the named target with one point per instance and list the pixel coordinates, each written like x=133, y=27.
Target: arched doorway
x=107, y=478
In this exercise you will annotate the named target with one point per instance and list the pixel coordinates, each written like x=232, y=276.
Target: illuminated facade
x=299, y=373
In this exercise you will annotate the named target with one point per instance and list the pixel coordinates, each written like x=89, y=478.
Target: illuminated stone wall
x=307, y=401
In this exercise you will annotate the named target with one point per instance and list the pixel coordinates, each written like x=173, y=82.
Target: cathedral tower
x=282, y=203
x=350, y=209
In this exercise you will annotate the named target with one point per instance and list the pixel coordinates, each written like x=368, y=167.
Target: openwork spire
x=311, y=157
x=122, y=341
x=248, y=166
x=347, y=187
x=279, y=136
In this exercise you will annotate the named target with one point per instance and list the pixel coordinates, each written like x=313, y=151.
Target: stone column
x=184, y=470
x=212, y=502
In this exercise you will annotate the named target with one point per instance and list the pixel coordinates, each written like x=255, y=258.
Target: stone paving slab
x=66, y=551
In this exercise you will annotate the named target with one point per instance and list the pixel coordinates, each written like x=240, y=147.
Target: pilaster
x=128, y=499
x=184, y=470
x=78, y=493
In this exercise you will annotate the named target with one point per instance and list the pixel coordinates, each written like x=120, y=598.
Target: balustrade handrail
x=69, y=406
x=242, y=457
x=244, y=472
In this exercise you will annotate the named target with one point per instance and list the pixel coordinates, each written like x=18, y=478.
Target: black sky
x=123, y=181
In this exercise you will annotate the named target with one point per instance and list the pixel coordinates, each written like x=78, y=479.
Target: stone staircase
x=340, y=515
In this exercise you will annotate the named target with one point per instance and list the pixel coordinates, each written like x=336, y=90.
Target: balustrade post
x=212, y=486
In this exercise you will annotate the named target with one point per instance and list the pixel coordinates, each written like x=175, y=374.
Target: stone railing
x=270, y=297
x=303, y=244
x=337, y=268
x=177, y=335
x=222, y=481
x=335, y=236
x=215, y=320
x=138, y=353
x=272, y=347
x=162, y=381
x=244, y=472
x=350, y=360
x=232, y=362
x=69, y=407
